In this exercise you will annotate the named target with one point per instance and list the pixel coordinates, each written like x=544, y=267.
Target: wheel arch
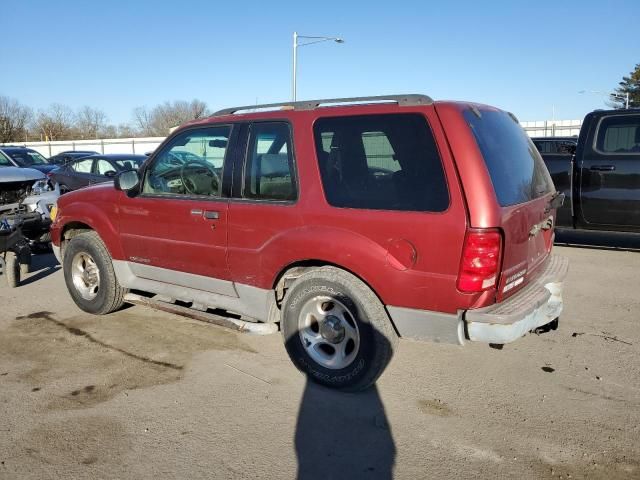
x=104, y=230
x=289, y=273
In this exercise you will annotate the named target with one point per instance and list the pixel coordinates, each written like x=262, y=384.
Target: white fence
x=552, y=128
x=106, y=145
x=542, y=128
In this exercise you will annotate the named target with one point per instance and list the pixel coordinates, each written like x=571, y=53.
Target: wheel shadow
x=343, y=435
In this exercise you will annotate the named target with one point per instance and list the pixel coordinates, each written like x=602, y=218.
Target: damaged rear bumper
x=539, y=303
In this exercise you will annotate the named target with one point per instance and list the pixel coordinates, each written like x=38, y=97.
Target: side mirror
x=110, y=174
x=127, y=180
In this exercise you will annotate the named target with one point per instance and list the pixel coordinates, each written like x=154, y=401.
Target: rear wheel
x=89, y=275
x=336, y=330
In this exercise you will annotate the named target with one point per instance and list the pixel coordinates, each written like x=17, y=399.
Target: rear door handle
x=211, y=215
x=603, y=168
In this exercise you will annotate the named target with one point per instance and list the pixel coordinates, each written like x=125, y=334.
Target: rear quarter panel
x=520, y=250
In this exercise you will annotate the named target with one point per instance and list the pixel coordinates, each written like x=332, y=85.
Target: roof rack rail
x=402, y=100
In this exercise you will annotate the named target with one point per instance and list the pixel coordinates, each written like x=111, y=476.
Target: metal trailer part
x=231, y=323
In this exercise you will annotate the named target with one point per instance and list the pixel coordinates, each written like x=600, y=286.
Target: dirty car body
x=26, y=198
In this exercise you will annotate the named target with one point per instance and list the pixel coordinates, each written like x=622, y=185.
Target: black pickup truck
x=600, y=177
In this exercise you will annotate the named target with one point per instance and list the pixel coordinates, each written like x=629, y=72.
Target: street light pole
x=295, y=65
x=615, y=95
x=295, y=55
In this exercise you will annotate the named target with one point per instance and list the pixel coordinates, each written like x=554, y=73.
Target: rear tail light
x=480, y=265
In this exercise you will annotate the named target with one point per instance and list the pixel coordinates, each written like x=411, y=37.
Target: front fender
x=100, y=217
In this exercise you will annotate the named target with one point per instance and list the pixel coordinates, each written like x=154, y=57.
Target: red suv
x=350, y=222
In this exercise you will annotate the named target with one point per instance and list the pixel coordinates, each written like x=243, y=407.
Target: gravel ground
x=143, y=394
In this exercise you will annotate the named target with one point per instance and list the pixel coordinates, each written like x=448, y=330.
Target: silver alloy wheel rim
x=329, y=332
x=85, y=275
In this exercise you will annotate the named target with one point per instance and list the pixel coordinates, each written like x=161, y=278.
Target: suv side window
x=269, y=164
x=619, y=134
x=383, y=162
x=190, y=164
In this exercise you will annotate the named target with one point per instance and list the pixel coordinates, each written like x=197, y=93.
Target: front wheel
x=89, y=275
x=336, y=330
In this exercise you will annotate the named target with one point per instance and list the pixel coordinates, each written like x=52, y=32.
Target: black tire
x=110, y=295
x=12, y=269
x=377, y=337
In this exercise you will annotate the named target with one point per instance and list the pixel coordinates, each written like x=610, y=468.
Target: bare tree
x=124, y=130
x=142, y=120
x=159, y=120
x=55, y=123
x=14, y=120
x=90, y=122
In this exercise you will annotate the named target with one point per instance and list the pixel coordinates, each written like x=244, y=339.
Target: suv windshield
x=26, y=157
x=517, y=171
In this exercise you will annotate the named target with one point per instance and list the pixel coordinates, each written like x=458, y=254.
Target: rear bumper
x=537, y=304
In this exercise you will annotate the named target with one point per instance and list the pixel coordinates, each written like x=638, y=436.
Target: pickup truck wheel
x=89, y=275
x=12, y=269
x=336, y=330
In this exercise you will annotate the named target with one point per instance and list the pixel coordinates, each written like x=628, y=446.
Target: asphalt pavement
x=147, y=395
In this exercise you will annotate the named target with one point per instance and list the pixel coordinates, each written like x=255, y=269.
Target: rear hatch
x=524, y=191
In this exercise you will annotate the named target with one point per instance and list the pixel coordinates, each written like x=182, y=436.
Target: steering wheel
x=199, y=184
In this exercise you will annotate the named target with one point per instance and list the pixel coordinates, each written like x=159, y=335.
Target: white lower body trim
x=249, y=301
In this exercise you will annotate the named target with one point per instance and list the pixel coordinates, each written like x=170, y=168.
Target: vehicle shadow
x=343, y=435
x=41, y=266
x=598, y=240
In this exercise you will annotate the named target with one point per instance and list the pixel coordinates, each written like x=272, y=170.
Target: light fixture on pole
x=615, y=95
x=313, y=40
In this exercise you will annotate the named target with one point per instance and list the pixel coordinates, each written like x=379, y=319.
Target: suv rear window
x=517, y=170
x=381, y=162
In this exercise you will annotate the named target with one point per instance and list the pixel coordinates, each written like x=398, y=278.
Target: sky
x=531, y=58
